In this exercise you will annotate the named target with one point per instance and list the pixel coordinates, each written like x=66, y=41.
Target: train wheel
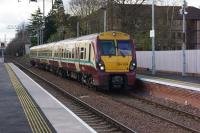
x=84, y=79
x=90, y=82
x=79, y=77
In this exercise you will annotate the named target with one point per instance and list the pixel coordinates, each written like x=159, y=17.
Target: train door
x=82, y=54
x=77, y=59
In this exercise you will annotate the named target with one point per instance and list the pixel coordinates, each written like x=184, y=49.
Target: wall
x=170, y=60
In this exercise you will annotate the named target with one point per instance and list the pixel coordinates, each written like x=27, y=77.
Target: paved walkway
x=12, y=116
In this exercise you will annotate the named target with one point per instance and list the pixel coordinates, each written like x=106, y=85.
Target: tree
x=83, y=8
x=34, y=26
x=165, y=35
x=50, y=26
x=17, y=45
x=55, y=22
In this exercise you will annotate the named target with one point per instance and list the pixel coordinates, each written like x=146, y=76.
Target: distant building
x=136, y=20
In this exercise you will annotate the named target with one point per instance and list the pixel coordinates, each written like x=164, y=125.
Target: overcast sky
x=13, y=13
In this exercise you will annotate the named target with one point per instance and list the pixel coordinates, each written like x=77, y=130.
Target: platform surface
x=61, y=118
x=190, y=83
x=12, y=116
x=173, y=76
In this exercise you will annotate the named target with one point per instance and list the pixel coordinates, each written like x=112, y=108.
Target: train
x=104, y=60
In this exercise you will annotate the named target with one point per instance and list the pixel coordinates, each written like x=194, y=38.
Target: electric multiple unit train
x=105, y=60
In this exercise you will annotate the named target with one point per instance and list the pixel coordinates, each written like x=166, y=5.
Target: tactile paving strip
x=35, y=119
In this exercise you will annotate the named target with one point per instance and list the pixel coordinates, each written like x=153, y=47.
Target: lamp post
x=43, y=23
x=183, y=11
x=104, y=19
x=152, y=35
x=105, y=16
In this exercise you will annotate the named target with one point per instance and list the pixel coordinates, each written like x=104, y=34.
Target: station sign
x=152, y=33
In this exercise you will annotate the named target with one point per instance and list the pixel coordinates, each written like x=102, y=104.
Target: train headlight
x=101, y=66
x=114, y=33
x=132, y=66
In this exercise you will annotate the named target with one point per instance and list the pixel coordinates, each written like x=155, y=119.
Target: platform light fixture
x=184, y=13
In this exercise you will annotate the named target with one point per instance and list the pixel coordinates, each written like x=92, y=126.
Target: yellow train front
x=116, y=60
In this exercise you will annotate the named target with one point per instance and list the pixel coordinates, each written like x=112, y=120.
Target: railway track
x=188, y=114
x=99, y=121
x=146, y=111
x=146, y=103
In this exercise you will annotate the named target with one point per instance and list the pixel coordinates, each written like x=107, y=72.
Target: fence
x=170, y=60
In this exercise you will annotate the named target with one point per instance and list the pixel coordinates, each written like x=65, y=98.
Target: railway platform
x=27, y=107
x=173, y=80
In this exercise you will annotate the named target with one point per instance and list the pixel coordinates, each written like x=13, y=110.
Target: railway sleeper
x=85, y=114
x=105, y=127
x=96, y=119
x=89, y=116
x=114, y=130
x=97, y=123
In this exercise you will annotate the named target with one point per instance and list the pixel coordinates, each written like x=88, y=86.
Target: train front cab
x=116, y=60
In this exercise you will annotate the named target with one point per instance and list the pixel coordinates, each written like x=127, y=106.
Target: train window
x=124, y=47
x=65, y=54
x=70, y=54
x=107, y=48
x=73, y=52
x=82, y=53
x=78, y=53
x=62, y=53
x=85, y=54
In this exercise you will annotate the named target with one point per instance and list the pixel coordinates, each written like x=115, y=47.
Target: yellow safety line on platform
x=172, y=80
x=35, y=119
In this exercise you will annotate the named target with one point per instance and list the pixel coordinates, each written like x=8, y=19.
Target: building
x=136, y=20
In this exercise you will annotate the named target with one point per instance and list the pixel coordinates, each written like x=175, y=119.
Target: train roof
x=82, y=38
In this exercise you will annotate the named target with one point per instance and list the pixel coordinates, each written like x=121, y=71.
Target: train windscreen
x=107, y=48
x=124, y=48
